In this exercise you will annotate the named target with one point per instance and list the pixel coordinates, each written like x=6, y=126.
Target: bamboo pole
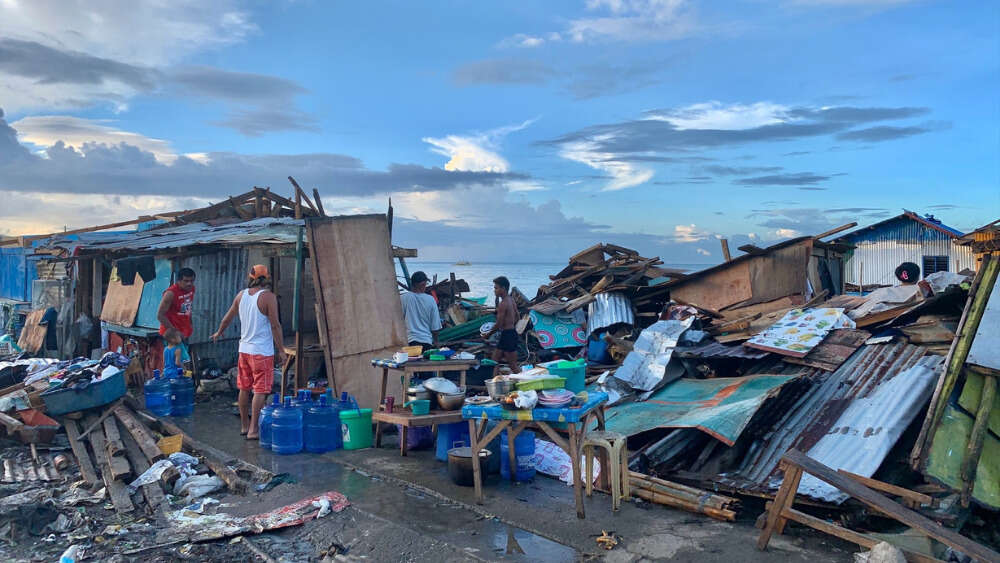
x=667, y=500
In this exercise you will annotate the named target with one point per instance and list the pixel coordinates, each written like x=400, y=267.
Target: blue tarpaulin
x=16, y=273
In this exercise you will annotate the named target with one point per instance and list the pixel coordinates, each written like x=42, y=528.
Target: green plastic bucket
x=356, y=428
x=574, y=372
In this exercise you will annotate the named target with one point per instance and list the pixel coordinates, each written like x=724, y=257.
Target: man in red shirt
x=177, y=303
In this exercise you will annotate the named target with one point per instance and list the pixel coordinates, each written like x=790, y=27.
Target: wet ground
x=407, y=509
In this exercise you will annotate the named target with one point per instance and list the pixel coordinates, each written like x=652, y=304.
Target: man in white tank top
x=260, y=343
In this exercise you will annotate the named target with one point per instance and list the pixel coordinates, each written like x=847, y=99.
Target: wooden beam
x=913, y=496
x=319, y=203
x=113, y=437
x=398, y=252
x=139, y=433
x=900, y=513
x=214, y=459
x=87, y=471
x=725, y=249
x=100, y=420
x=302, y=194
x=839, y=229
x=970, y=461
x=152, y=491
x=135, y=221
x=116, y=489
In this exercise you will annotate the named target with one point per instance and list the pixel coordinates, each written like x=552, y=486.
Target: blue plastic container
x=448, y=434
x=322, y=431
x=181, y=396
x=81, y=397
x=286, y=429
x=157, y=393
x=524, y=450
x=264, y=422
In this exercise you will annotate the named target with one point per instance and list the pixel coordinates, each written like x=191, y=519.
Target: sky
x=514, y=131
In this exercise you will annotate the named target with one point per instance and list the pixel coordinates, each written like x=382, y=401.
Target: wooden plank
x=138, y=432
x=833, y=350
x=12, y=424
x=356, y=285
x=8, y=471
x=886, y=506
x=113, y=437
x=33, y=334
x=725, y=250
x=151, y=491
x=116, y=488
x=319, y=202
x=974, y=450
x=122, y=301
x=100, y=420
x=716, y=290
x=850, y=535
x=918, y=498
x=831, y=232
x=780, y=272
x=214, y=458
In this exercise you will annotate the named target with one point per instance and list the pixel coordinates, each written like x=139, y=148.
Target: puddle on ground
x=439, y=519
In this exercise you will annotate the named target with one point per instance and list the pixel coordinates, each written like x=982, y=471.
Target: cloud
x=477, y=152
x=59, y=55
x=49, y=66
x=739, y=170
x=255, y=122
x=689, y=233
x=716, y=115
x=703, y=252
x=624, y=174
x=607, y=79
x=634, y=20
x=882, y=133
x=789, y=179
x=522, y=40
x=502, y=71
x=784, y=221
x=239, y=87
x=123, y=168
x=75, y=132
x=667, y=133
x=943, y=206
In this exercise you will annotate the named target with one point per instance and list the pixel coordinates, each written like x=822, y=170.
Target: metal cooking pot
x=417, y=393
x=451, y=401
x=460, y=464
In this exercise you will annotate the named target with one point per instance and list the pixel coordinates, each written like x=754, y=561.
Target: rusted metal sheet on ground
x=359, y=303
x=834, y=350
x=721, y=407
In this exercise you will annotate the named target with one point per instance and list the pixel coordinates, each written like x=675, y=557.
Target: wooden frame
x=795, y=463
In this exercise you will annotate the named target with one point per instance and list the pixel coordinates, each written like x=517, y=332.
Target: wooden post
x=783, y=500
x=319, y=203
x=975, y=448
x=725, y=249
x=97, y=287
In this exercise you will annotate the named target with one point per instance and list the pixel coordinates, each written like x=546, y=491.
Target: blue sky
x=509, y=130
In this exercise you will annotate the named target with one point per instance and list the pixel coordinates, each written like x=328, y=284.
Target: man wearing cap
x=260, y=344
x=421, y=313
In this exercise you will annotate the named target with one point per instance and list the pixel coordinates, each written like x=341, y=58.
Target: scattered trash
x=883, y=552
x=151, y=475
x=607, y=540
x=72, y=554
x=274, y=482
x=198, y=486
x=323, y=505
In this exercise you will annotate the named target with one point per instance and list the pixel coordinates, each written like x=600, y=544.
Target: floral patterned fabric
x=799, y=331
x=558, y=331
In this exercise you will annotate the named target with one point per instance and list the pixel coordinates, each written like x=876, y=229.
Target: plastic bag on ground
x=550, y=459
x=152, y=474
x=198, y=486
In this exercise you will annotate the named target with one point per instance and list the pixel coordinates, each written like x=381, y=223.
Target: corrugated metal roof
x=862, y=436
x=715, y=349
x=907, y=216
x=816, y=410
x=264, y=230
x=609, y=309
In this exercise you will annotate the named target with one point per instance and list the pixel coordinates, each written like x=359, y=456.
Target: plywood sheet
x=718, y=289
x=779, y=273
x=985, y=350
x=122, y=301
x=33, y=334
x=357, y=296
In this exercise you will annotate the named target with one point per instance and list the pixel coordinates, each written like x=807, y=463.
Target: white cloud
x=635, y=20
x=787, y=233
x=623, y=174
x=523, y=40
x=716, y=115
x=703, y=252
x=46, y=130
x=689, y=233
x=477, y=152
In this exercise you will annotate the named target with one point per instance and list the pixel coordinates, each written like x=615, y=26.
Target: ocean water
x=525, y=276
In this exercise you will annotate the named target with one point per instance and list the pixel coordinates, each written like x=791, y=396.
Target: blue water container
x=524, y=450
x=322, y=428
x=303, y=400
x=264, y=422
x=181, y=396
x=448, y=434
x=286, y=429
x=346, y=402
x=157, y=392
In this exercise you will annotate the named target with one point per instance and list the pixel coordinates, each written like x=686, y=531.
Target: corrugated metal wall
x=16, y=273
x=218, y=276
x=881, y=250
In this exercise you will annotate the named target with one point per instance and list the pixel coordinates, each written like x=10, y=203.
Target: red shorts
x=255, y=373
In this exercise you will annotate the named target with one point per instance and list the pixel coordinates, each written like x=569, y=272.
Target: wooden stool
x=617, y=469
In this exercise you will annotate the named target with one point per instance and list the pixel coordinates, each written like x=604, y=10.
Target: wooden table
x=403, y=417
x=577, y=419
x=289, y=349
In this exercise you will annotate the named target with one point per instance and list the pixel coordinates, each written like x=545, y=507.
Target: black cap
x=418, y=277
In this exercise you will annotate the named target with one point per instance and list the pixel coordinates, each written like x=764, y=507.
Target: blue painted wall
x=16, y=273
x=152, y=292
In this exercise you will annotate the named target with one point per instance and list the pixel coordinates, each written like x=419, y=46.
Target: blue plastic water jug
x=322, y=428
x=157, y=392
x=524, y=450
x=286, y=429
x=181, y=396
x=303, y=399
x=264, y=422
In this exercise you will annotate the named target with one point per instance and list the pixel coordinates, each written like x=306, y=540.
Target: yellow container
x=171, y=444
x=412, y=351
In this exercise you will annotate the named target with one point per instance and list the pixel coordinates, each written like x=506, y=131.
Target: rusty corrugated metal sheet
x=815, y=411
x=714, y=349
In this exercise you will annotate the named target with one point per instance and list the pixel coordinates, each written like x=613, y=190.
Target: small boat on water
x=463, y=263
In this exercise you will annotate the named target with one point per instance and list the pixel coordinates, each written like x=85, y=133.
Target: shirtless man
x=506, y=350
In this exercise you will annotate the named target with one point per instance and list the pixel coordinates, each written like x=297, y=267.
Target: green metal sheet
x=721, y=407
x=944, y=462
x=465, y=330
